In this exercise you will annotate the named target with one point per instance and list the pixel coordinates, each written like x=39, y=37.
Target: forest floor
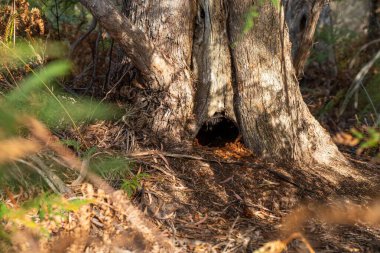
x=225, y=199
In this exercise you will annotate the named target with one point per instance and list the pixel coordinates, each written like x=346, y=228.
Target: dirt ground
x=233, y=202
x=224, y=199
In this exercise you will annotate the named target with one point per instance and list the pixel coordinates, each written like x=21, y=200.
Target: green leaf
x=36, y=81
x=357, y=134
x=251, y=15
x=3, y=210
x=72, y=143
x=276, y=3
x=130, y=186
x=8, y=124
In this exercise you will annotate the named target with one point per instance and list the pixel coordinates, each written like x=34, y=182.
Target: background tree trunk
x=302, y=19
x=374, y=20
x=207, y=60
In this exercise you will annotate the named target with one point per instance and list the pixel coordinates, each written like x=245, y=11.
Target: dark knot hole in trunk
x=217, y=131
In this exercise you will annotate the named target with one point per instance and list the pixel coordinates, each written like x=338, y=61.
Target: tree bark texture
x=272, y=116
x=198, y=62
x=157, y=36
x=212, y=61
x=169, y=25
x=302, y=19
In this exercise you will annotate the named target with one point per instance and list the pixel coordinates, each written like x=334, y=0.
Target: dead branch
x=42, y=174
x=361, y=49
x=61, y=186
x=184, y=156
x=82, y=174
x=107, y=78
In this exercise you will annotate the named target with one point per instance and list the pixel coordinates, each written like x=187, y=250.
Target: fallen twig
x=191, y=157
x=61, y=186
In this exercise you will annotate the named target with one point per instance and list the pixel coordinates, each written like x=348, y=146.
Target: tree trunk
x=158, y=39
x=374, y=21
x=274, y=120
x=302, y=19
x=197, y=62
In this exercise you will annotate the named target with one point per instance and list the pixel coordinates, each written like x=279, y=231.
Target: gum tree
x=202, y=57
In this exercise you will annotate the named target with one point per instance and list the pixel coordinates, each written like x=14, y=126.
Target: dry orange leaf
x=15, y=148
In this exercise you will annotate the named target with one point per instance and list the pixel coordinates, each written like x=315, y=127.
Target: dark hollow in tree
x=217, y=131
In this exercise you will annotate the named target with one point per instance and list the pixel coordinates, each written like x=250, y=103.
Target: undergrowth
x=32, y=102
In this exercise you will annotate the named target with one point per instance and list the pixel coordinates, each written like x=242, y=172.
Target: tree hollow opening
x=217, y=131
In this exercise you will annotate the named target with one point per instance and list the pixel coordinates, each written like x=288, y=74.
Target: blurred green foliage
x=38, y=95
x=368, y=139
x=253, y=13
x=44, y=207
x=131, y=185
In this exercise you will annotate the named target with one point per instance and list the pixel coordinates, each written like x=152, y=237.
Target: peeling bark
x=212, y=62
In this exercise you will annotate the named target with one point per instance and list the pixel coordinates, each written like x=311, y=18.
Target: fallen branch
x=41, y=173
x=82, y=174
x=191, y=157
x=61, y=186
x=364, y=47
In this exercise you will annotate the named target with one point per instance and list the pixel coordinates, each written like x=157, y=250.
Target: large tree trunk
x=169, y=25
x=158, y=39
x=197, y=62
x=274, y=120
